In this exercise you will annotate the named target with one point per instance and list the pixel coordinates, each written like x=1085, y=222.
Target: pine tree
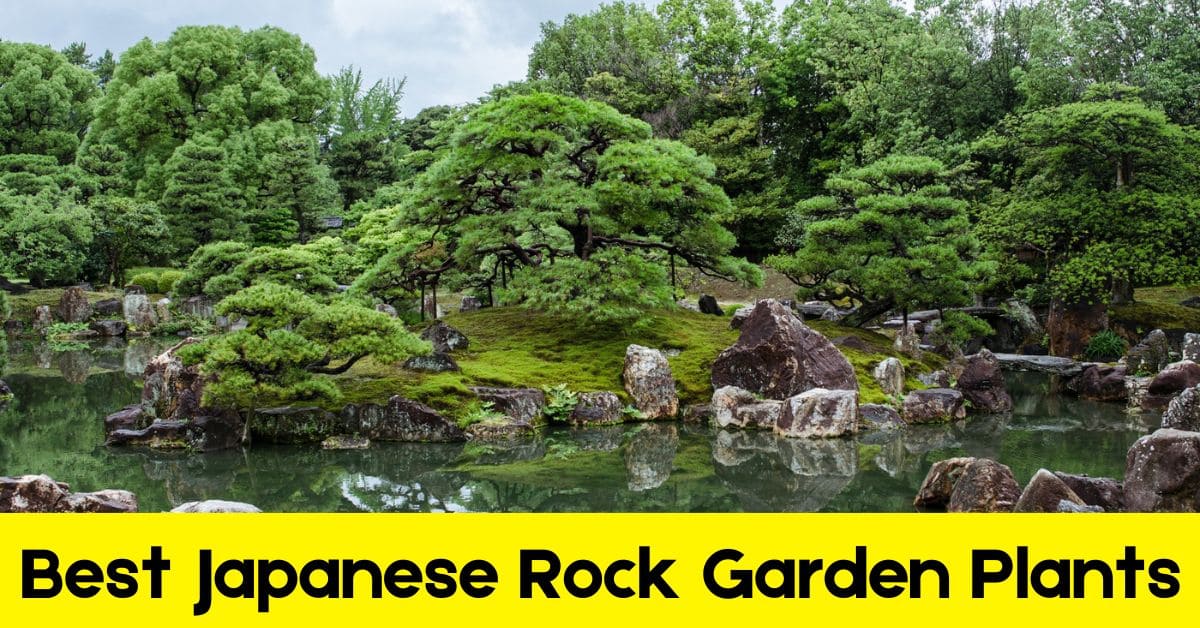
x=201, y=202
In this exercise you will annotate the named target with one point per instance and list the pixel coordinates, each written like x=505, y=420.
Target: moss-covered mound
x=513, y=347
x=1157, y=308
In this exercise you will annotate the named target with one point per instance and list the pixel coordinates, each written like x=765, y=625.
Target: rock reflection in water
x=650, y=455
x=773, y=474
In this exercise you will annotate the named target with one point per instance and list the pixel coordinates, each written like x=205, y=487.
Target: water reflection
x=55, y=426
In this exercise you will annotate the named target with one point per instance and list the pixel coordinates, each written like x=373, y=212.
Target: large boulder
x=444, y=338
x=982, y=384
x=908, y=342
x=1099, y=382
x=1162, y=473
x=198, y=306
x=1044, y=493
x=735, y=407
x=216, y=506
x=985, y=486
x=1106, y=493
x=1169, y=383
x=1151, y=355
x=521, y=404
x=890, y=376
x=598, y=408
x=409, y=421
x=172, y=391
x=934, y=405
x=819, y=413
x=138, y=311
x=649, y=381
x=779, y=357
x=1183, y=413
x=1071, y=327
x=73, y=306
x=938, y=485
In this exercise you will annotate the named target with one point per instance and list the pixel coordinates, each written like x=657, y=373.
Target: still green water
x=55, y=426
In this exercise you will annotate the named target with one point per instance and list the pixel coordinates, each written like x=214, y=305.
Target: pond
x=55, y=426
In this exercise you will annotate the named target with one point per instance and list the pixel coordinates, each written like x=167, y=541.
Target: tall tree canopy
x=45, y=101
x=532, y=178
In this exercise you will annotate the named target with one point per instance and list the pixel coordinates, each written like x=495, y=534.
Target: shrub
x=482, y=412
x=560, y=403
x=958, y=328
x=168, y=279
x=1105, y=346
x=149, y=281
x=5, y=306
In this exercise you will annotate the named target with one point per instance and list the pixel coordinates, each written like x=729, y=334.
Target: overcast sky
x=452, y=51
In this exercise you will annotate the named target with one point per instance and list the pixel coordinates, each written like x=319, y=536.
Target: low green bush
x=168, y=279
x=149, y=281
x=1106, y=346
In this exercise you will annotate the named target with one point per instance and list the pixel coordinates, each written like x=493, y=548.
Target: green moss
x=24, y=304
x=512, y=347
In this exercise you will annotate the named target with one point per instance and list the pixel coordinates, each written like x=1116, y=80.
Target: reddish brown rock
x=939, y=483
x=1169, y=383
x=1098, y=382
x=1045, y=492
x=982, y=384
x=73, y=306
x=934, y=405
x=985, y=486
x=779, y=357
x=1070, y=327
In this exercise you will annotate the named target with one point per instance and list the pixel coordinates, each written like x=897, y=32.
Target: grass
x=513, y=347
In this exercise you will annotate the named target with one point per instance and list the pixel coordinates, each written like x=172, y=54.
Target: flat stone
x=934, y=405
x=216, y=506
x=1039, y=363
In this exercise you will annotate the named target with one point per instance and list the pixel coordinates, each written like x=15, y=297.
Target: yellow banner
x=605, y=569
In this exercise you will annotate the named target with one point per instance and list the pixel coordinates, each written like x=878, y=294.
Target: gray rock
x=598, y=408
x=198, y=306
x=40, y=493
x=109, y=328
x=735, y=407
x=908, y=342
x=139, y=314
x=819, y=413
x=1162, y=473
x=1151, y=355
x=42, y=319
x=13, y=328
x=739, y=316
x=129, y=418
x=444, y=338
x=1183, y=413
x=778, y=356
x=73, y=306
x=470, y=304
x=524, y=405
x=107, y=308
x=1039, y=363
x=436, y=362
x=934, y=405
x=985, y=486
x=649, y=382
x=890, y=375
x=107, y=501
x=1191, y=347
x=216, y=506
x=1068, y=506
x=936, y=379
x=386, y=309
x=1044, y=492
x=877, y=416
